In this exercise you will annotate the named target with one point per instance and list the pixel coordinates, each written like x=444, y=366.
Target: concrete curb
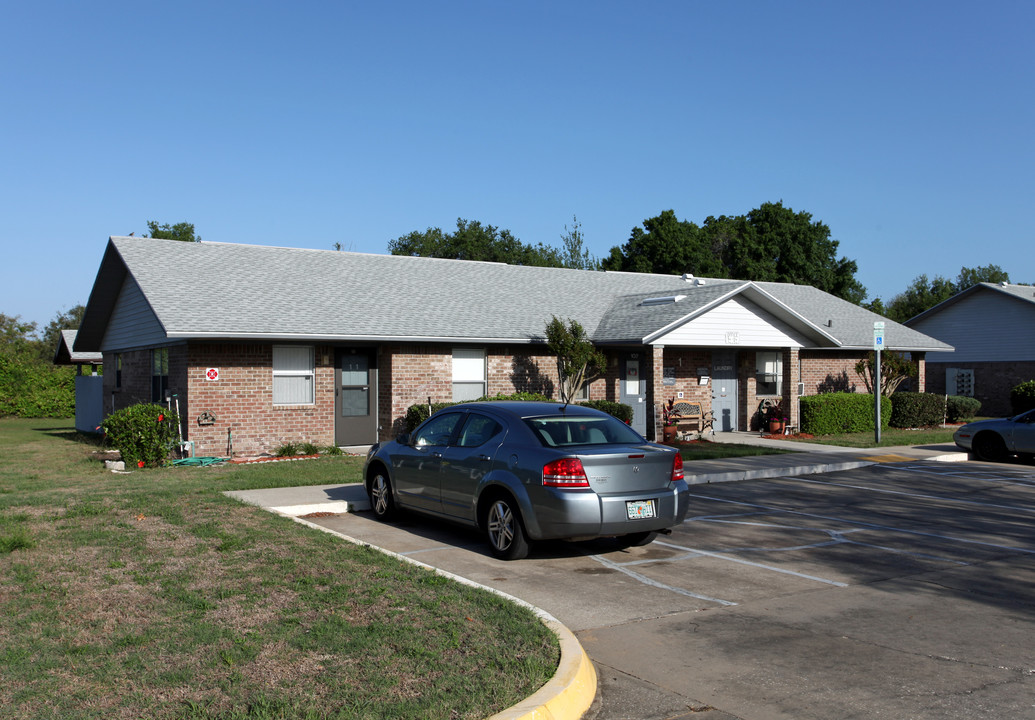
x=566, y=696
x=764, y=473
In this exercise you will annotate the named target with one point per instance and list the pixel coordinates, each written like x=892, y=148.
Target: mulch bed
x=273, y=458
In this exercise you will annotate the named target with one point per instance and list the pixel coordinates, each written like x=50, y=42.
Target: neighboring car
x=527, y=471
x=995, y=439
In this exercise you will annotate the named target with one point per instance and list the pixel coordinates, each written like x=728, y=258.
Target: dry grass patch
x=153, y=595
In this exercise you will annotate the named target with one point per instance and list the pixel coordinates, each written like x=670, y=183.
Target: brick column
x=655, y=394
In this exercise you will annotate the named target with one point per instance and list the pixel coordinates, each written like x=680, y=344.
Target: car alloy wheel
x=505, y=531
x=381, y=500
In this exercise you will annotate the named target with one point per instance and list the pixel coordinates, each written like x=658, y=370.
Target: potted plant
x=668, y=416
x=772, y=418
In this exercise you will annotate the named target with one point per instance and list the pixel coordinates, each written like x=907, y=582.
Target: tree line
x=770, y=243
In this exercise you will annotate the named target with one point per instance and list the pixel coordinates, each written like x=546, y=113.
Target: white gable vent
x=666, y=300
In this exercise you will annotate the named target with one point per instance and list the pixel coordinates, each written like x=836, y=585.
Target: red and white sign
x=212, y=374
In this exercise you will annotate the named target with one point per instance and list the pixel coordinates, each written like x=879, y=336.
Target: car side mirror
x=403, y=439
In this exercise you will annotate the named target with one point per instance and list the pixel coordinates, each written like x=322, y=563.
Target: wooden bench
x=690, y=416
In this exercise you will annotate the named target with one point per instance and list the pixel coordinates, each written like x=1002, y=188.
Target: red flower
x=161, y=417
x=140, y=463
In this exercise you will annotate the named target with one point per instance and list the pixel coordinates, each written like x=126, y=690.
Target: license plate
x=640, y=509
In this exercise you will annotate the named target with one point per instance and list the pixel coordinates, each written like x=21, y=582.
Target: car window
x=478, y=430
x=584, y=430
x=438, y=430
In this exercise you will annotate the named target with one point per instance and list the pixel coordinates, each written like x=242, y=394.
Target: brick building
x=267, y=345
x=991, y=350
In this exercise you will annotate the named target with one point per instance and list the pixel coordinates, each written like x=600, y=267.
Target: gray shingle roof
x=1025, y=293
x=222, y=290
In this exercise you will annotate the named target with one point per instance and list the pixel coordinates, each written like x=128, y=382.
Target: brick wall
x=992, y=382
x=135, y=386
x=242, y=401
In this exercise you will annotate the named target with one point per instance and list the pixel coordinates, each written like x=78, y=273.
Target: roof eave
x=323, y=337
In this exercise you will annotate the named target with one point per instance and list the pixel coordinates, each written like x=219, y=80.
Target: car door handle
x=484, y=458
x=436, y=454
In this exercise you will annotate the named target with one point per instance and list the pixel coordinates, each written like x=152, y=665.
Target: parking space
x=894, y=590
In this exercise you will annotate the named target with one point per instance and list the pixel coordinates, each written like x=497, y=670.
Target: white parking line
x=654, y=583
x=740, y=561
x=920, y=496
x=1001, y=476
x=837, y=537
x=873, y=526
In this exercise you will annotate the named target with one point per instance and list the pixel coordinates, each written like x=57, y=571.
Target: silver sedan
x=995, y=439
x=523, y=471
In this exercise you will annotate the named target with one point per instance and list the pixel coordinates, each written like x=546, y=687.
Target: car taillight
x=677, y=468
x=565, y=473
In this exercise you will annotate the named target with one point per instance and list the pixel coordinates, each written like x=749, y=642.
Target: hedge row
x=35, y=390
x=416, y=414
x=835, y=413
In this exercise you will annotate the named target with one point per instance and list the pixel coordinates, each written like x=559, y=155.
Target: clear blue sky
x=908, y=128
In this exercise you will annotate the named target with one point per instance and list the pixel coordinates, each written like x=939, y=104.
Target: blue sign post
x=878, y=345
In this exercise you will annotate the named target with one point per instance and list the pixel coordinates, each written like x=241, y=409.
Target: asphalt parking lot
x=901, y=590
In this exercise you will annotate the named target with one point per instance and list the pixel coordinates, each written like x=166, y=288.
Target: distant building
x=992, y=331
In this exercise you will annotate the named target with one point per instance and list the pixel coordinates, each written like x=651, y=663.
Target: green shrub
x=915, y=410
x=620, y=410
x=286, y=450
x=145, y=434
x=835, y=413
x=961, y=409
x=35, y=389
x=1022, y=397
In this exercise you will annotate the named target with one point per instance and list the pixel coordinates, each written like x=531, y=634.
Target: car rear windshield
x=582, y=430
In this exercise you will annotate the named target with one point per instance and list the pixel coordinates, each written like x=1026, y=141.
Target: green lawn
x=888, y=438
x=151, y=594
x=707, y=450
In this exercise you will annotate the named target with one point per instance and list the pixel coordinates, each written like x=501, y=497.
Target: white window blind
x=768, y=373
x=468, y=373
x=294, y=377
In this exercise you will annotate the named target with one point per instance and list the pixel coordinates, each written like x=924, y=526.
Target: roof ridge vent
x=663, y=300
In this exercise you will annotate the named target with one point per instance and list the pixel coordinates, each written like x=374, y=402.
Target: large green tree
x=183, y=231
x=771, y=243
x=669, y=246
x=474, y=241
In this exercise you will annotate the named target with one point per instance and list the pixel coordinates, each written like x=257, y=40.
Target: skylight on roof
x=665, y=300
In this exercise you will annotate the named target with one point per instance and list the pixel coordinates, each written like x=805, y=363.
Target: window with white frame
x=294, y=375
x=468, y=373
x=768, y=373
